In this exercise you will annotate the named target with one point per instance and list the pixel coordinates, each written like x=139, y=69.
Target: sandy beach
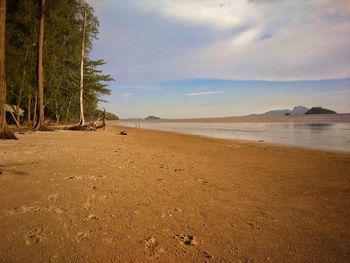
x=154, y=196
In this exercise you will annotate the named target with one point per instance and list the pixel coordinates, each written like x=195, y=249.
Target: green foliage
x=112, y=116
x=62, y=48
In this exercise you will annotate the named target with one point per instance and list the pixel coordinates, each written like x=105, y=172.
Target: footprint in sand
x=73, y=178
x=34, y=236
x=33, y=209
x=202, y=181
x=88, y=204
x=96, y=177
x=56, y=210
x=164, y=166
x=187, y=240
x=127, y=164
x=53, y=197
x=207, y=255
x=91, y=217
x=79, y=236
x=254, y=226
x=23, y=210
x=152, y=247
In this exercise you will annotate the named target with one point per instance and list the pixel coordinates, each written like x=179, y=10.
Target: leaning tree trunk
x=5, y=131
x=82, y=119
x=41, y=70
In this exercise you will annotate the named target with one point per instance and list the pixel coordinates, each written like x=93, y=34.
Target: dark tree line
x=58, y=27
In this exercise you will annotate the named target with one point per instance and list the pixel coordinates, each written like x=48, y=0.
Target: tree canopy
x=61, y=58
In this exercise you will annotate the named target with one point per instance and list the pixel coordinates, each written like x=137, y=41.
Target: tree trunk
x=82, y=119
x=41, y=70
x=29, y=110
x=68, y=108
x=5, y=131
x=22, y=87
x=57, y=113
x=35, y=110
x=18, y=112
x=57, y=118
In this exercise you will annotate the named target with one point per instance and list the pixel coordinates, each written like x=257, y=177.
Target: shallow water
x=325, y=136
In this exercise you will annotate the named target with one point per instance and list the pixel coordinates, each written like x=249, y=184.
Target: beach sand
x=158, y=196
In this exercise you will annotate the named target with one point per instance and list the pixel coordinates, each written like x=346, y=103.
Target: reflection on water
x=327, y=136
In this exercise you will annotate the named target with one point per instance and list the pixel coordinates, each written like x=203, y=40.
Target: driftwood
x=100, y=123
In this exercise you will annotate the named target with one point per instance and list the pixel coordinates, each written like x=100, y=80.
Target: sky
x=209, y=58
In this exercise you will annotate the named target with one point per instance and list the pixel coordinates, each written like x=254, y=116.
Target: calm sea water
x=326, y=136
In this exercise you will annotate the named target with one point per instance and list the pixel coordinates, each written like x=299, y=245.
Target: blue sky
x=150, y=43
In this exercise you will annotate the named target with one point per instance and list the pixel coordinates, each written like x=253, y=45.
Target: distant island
x=152, y=118
x=298, y=110
x=319, y=110
x=112, y=117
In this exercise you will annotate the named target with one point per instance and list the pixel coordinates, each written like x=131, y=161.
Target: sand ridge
x=156, y=196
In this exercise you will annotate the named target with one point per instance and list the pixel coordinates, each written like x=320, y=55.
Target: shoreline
x=254, y=142
x=258, y=141
x=151, y=195
x=322, y=118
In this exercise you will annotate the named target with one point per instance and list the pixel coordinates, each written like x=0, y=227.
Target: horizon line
x=173, y=81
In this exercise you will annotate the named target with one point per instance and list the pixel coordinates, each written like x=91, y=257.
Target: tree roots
x=7, y=134
x=91, y=126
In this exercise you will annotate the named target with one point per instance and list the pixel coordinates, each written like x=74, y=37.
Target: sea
x=312, y=135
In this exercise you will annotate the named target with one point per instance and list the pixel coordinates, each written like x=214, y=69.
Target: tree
x=61, y=57
x=41, y=70
x=5, y=131
x=89, y=31
x=81, y=86
x=21, y=53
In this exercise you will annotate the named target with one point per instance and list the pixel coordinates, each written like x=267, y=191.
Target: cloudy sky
x=169, y=56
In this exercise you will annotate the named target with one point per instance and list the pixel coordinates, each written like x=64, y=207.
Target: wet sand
x=158, y=196
x=318, y=118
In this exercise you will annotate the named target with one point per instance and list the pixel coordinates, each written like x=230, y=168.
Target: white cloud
x=234, y=39
x=247, y=37
x=281, y=40
x=218, y=14
x=312, y=51
x=203, y=93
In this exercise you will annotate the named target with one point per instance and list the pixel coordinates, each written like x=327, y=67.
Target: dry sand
x=157, y=196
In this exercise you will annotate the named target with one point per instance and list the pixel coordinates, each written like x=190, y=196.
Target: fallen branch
x=91, y=126
x=103, y=124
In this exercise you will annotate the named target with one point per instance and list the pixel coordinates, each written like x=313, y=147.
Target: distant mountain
x=276, y=112
x=298, y=110
x=320, y=110
x=152, y=118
